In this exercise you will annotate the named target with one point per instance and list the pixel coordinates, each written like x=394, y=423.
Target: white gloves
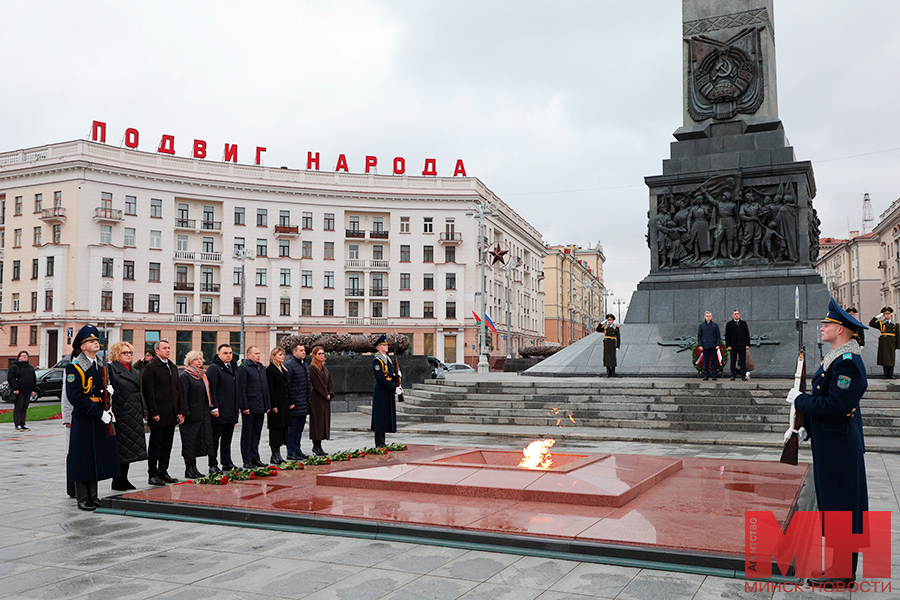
x=109, y=388
x=106, y=417
x=398, y=392
x=792, y=395
x=879, y=315
x=802, y=435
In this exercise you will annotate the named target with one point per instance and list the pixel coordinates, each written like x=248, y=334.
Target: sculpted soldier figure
x=698, y=228
x=752, y=228
x=726, y=223
x=832, y=419
x=786, y=224
x=887, y=343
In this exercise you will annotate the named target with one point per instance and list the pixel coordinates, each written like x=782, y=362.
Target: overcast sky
x=561, y=108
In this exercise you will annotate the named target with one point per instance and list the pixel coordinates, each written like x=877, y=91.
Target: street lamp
x=480, y=210
x=619, y=302
x=243, y=255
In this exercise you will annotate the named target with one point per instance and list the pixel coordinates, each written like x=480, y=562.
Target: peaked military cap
x=851, y=310
x=887, y=309
x=85, y=334
x=381, y=340
x=611, y=316
x=838, y=315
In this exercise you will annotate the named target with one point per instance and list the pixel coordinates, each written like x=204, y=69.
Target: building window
x=261, y=277
x=329, y=279
x=404, y=281
x=328, y=308
x=262, y=217
x=128, y=302
x=37, y=236
x=35, y=265
x=377, y=252
x=236, y=275
x=378, y=284
x=284, y=307
x=450, y=283
x=48, y=300
x=307, y=220
x=106, y=300
x=284, y=248
x=285, y=278
x=154, y=271
x=106, y=234
x=17, y=270
x=378, y=224
x=239, y=217
x=153, y=303
x=18, y=206
x=182, y=345
x=404, y=253
x=236, y=306
x=181, y=242
x=131, y=205
x=354, y=223
x=106, y=201
x=451, y=310
x=17, y=238
x=260, y=307
x=329, y=222
x=353, y=309
x=183, y=214
x=15, y=304
x=51, y=266
x=34, y=301
x=306, y=249
x=428, y=225
x=428, y=254
x=262, y=247
x=404, y=308
x=306, y=279
x=428, y=281
x=353, y=252
x=128, y=336
x=428, y=310
x=305, y=307
x=57, y=199
x=377, y=309
x=238, y=244
x=404, y=224
x=156, y=208
x=107, y=270
x=284, y=218
x=38, y=202
x=128, y=269
x=130, y=236
x=33, y=335
x=450, y=254
x=14, y=334
x=155, y=239
x=181, y=305
x=57, y=234
x=329, y=251
x=209, y=245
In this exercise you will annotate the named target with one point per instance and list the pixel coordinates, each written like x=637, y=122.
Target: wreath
x=697, y=357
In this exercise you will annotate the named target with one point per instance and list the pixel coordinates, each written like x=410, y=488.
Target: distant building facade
x=888, y=233
x=94, y=233
x=575, y=296
x=849, y=267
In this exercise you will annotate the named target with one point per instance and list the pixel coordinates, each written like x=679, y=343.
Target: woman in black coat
x=280, y=396
x=22, y=382
x=129, y=412
x=196, y=430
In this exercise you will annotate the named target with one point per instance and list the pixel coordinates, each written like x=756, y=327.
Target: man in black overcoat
x=611, y=343
x=159, y=386
x=301, y=392
x=221, y=375
x=737, y=340
x=93, y=450
x=252, y=389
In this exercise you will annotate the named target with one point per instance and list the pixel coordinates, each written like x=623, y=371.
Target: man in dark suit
x=737, y=340
x=221, y=375
x=708, y=340
x=252, y=391
x=301, y=391
x=159, y=386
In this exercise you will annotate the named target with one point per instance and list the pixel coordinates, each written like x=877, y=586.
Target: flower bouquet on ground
x=375, y=450
x=356, y=453
x=317, y=460
x=339, y=456
x=245, y=474
x=291, y=465
x=396, y=447
x=214, y=479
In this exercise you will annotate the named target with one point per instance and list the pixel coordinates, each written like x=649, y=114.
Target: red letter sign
x=167, y=145
x=230, y=153
x=430, y=167
x=371, y=162
x=342, y=164
x=399, y=166
x=460, y=168
x=101, y=127
x=259, y=150
x=199, y=149
x=131, y=138
x=310, y=161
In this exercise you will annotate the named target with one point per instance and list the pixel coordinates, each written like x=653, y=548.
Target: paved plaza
x=50, y=549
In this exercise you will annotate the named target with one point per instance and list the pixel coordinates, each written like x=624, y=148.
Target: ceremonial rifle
x=397, y=369
x=791, y=436
x=107, y=401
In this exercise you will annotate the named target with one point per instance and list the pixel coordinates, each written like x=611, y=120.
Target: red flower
x=252, y=475
x=224, y=479
x=328, y=461
x=184, y=482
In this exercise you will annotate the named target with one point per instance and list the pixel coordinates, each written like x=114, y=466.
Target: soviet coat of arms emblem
x=725, y=78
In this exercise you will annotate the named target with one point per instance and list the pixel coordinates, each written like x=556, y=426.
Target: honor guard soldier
x=887, y=343
x=832, y=419
x=611, y=343
x=93, y=450
x=384, y=395
x=859, y=336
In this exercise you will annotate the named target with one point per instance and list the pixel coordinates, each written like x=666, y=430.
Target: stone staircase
x=629, y=403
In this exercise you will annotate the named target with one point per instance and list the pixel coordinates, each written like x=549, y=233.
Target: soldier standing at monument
x=832, y=419
x=384, y=406
x=887, y=343
x=611, y=342
x=859, y=336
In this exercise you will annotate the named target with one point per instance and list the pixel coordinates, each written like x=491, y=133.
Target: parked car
x=459, y=368
x=437, y=368
x=49, y=383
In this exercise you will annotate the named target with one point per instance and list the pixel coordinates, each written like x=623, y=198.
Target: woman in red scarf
x=196, y=431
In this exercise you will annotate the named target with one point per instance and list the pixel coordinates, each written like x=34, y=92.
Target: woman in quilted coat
x=129, y=412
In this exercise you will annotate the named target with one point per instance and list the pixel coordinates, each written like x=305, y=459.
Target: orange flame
x=537, y=455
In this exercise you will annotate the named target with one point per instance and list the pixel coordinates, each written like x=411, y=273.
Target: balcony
x=54, y=215
x=365, y=321
x=378, y=291
x=378, y=235
x=209, y=318
x=356, y=291
x=358, y=263
x=356, y=233
x=211, y=225
x=451, y=237
x=107, y=215
x=210, y=287
x=287, y=231
x=186, y=224
x=184, y=286
x=184, y=318
x=204, y=257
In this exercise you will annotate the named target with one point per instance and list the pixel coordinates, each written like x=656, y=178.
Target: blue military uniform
x=831, y=415
x=384, y=406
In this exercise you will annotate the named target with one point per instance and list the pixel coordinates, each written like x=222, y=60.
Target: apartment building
x=574, y=291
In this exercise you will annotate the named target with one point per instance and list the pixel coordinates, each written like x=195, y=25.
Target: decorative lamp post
x=480, y=210
x=243, y=255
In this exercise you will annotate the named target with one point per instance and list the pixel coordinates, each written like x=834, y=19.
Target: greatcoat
x=384, y=401
x=93, y=453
